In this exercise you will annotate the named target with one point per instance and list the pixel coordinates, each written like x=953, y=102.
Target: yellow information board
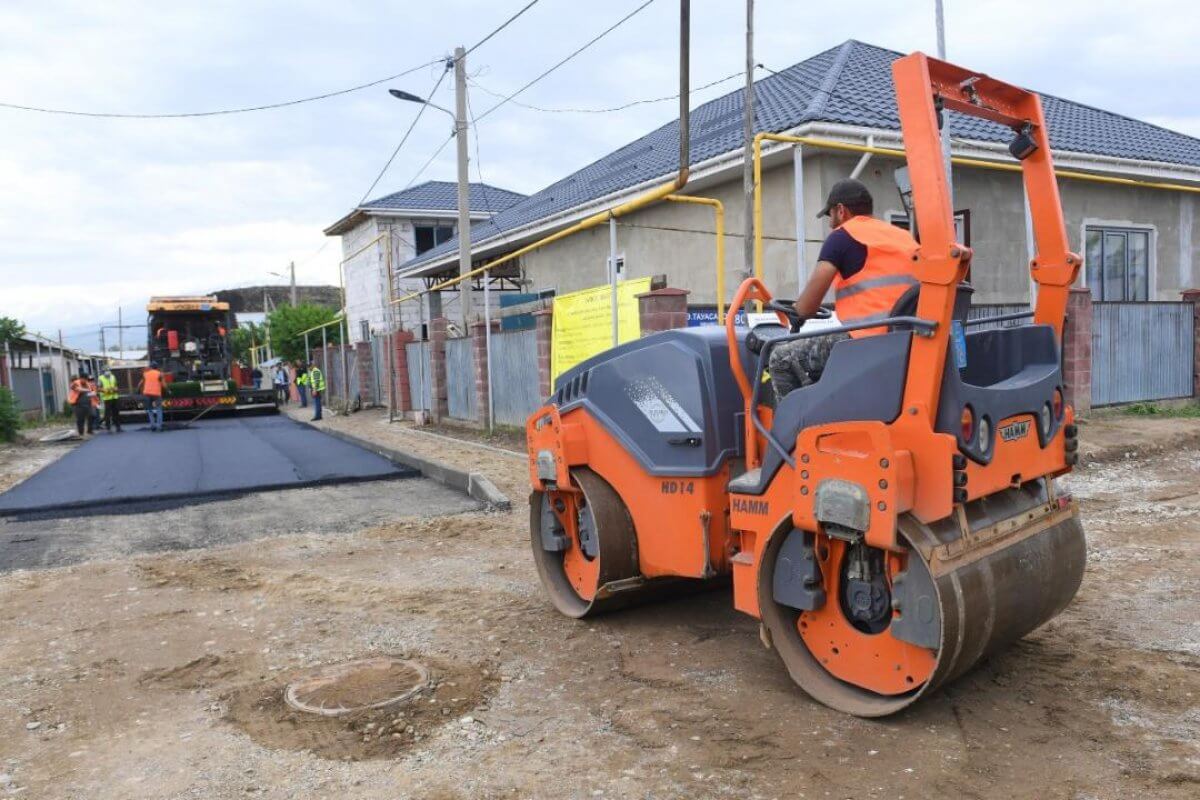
x=582, y=323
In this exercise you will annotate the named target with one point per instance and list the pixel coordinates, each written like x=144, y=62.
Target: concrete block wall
x=1077, y=350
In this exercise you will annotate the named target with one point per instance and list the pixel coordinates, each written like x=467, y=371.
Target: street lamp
x=459, y=63
x=400, y=94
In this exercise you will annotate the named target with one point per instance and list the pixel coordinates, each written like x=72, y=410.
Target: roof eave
x=731, y=161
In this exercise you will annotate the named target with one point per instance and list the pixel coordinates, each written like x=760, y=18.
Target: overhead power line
x=219, y=112
x=589, y=43
x=502, y=26
x=610, y=109
x=404, y=138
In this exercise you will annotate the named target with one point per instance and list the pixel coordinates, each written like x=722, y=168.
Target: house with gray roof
x=1137, y=239
x=415, y=221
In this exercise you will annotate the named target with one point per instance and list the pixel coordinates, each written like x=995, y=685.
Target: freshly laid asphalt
x=213, y=458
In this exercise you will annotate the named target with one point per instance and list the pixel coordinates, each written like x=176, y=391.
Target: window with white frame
x=1118, y=262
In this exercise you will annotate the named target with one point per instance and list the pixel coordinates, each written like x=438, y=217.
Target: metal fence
x=515, y=390
x=461, y=400
x=1141, y=351
x=27, y=386
x=996, y=310
x=379, y=370
x=419, y=371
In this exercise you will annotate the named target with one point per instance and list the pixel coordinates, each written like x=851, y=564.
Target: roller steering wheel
x=788, y=309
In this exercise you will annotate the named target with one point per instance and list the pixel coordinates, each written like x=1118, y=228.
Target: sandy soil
x=160, y=675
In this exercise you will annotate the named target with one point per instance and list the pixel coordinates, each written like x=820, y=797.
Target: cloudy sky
x=96, y=213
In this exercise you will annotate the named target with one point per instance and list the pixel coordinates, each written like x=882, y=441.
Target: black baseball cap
x=848, y=192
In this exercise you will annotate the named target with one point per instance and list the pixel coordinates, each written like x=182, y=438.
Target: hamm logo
x=1014, y=431
x=744, y=506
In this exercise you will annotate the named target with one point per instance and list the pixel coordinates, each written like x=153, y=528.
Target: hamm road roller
x=890, y=524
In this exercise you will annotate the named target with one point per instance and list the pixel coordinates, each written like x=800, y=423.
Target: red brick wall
x=544, y=320
x=437, y=361
x=663, y=309
x=366, y=372
x=479, y=351
x=1193, y=296
x=403, y=392
x=1077, y=350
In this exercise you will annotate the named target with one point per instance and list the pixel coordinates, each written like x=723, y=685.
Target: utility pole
x=293, y=268
x=121, y=333
x=464, y=191
x=748, y=150
x=941, y=50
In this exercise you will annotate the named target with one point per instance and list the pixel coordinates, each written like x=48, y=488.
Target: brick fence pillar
x=1193, y=296
x=402, y=388
x=544, y=320
x=1077, y=350
x=365, y=361
x=437, y=366
x=662, y=310
x=479, y=351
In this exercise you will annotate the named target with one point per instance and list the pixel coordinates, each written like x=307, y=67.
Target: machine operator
x=867, y=261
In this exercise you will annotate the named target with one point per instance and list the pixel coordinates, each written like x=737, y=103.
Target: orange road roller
x=890, y=524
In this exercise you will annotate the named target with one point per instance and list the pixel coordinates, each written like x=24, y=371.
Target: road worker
x=867, y=261
x=316, y=385
x=152, y=387
x=109, y=394
x=302, y=383
x=83, y=399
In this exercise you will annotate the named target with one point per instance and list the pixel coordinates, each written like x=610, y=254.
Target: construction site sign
x=582, y=324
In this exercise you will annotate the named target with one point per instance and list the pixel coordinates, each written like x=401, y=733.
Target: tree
x=10, y=330
x=287, y=323
x=242, y=338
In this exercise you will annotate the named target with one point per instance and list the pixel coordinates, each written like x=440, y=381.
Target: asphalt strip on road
x=141, y=471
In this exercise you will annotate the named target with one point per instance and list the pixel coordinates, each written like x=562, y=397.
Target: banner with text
x=583, y=323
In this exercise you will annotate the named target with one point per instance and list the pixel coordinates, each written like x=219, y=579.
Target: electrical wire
x=630, y=104
x=430, y=160
x=588, y=44
x=404, y=138
x=503, y=25
x=219, y=112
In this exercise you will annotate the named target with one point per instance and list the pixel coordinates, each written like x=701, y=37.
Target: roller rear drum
x=869, y=632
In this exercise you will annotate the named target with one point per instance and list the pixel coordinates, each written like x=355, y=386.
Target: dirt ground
x=162, y=675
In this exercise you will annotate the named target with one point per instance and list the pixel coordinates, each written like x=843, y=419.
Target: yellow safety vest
x=108, y=387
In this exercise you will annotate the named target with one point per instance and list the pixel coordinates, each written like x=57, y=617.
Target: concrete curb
x=475, y=484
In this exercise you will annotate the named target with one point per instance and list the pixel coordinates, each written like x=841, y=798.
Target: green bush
x=1155, y=410
x=10, y=415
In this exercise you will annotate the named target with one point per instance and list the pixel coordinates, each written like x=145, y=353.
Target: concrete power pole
x=941, y=49
x=293, y=268
x=464, y=190
x=748, y=150
x=121, y=333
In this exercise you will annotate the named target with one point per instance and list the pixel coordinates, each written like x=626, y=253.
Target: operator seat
x=863, y=380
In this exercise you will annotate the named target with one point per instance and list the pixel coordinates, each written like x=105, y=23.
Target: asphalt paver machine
x=891, y=524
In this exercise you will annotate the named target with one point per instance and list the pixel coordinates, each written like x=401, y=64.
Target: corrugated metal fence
x=979, y=312
x=515, y=390
x=1141, y=351
x=461, y=401
x=419, y=369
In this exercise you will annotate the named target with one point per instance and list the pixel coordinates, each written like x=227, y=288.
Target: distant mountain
x=250, y=299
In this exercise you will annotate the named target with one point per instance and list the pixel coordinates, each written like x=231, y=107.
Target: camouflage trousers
x=800, y=363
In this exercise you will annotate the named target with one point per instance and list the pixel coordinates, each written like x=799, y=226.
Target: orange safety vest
x=152, y=383
x=78, y=386
x=886, y=274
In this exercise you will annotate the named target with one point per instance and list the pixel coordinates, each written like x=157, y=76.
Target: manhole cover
x=356, y=686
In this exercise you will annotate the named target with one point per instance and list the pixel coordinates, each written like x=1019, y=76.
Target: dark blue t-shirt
x=844, y=252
